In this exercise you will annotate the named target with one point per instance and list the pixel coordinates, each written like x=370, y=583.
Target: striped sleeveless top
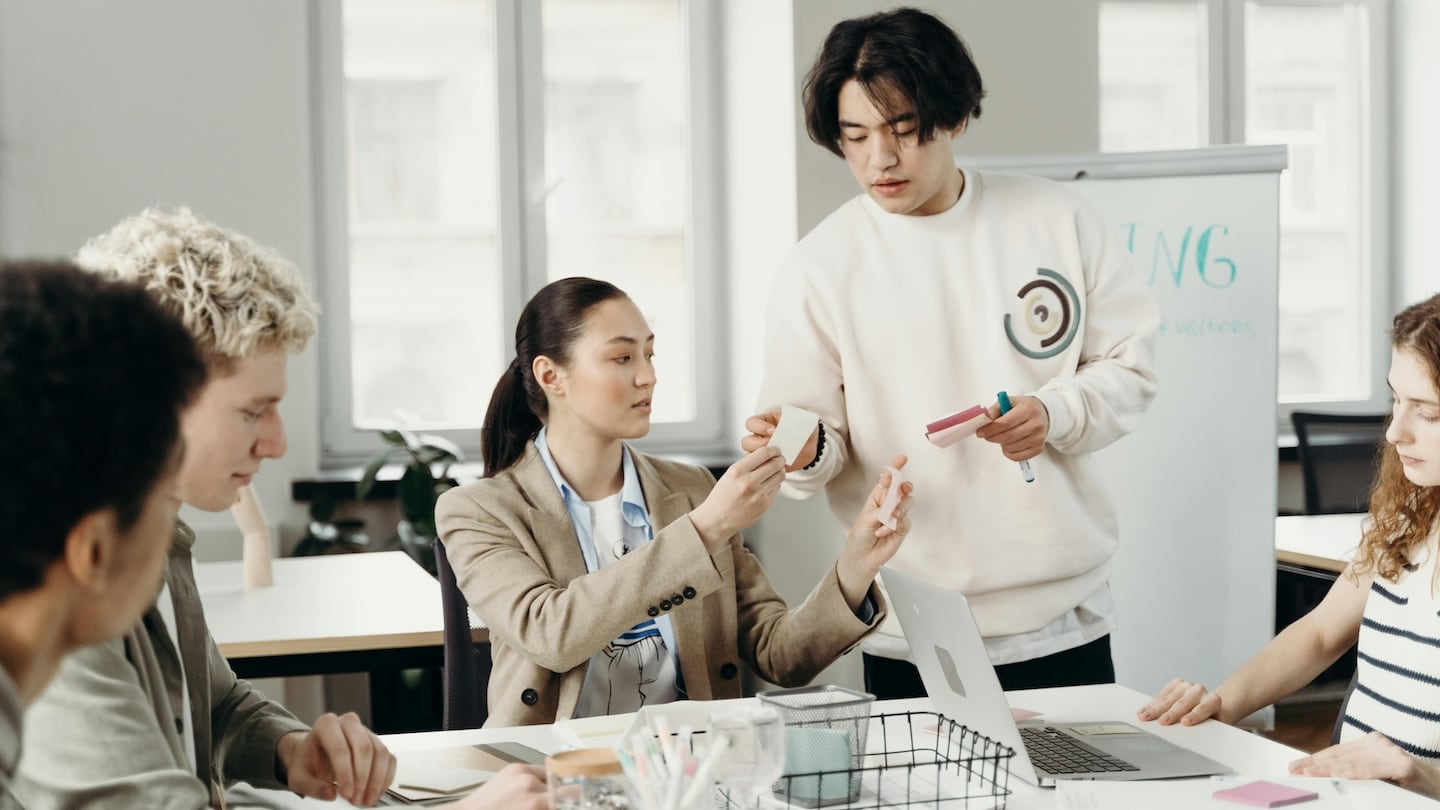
x=1397, y=692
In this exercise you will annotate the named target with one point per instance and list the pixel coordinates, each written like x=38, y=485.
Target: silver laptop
x=950, y=653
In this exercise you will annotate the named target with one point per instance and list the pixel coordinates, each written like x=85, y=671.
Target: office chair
x=467, y=663
x=1338, y=455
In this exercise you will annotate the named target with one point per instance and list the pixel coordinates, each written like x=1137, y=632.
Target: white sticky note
x=790, y=436
x=892, y=499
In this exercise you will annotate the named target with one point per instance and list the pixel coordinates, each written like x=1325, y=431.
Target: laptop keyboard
x=1059, y=753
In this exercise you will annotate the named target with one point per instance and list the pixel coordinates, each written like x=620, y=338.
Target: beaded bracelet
x=819, y=446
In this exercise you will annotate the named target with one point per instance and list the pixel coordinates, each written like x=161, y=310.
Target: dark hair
x=1403, y=514
x=93, y=376
x=899, y=55
x=549, y=326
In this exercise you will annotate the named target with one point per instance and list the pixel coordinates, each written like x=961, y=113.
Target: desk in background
x=1249, y=754
x=1310, y=552
x=374, y=612
x=1316, y=545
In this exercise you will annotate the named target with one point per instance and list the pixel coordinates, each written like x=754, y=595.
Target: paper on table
x=1181, y=794
x=1264, y=793
x=790, y=436
x=588, y=732
x=446, y=781
x=426, y=775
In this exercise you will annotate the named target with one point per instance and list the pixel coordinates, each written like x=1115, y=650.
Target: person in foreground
x=157, y=718
x=1386, y=599
x=1005, y=282
x=89, y=500
x=610, y=579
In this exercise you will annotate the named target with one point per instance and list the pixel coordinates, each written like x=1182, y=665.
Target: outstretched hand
x=870, y=544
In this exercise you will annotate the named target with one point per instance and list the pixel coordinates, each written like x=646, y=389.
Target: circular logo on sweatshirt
x=1048, y=316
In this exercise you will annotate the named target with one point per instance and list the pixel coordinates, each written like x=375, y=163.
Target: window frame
x=1225, y=76
x=521, y=225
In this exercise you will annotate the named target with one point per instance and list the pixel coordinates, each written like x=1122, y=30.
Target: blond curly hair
x=234, y=295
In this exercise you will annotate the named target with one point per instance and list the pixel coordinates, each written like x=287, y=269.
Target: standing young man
x=157, y=718
x=93, y=376
x=931, y=291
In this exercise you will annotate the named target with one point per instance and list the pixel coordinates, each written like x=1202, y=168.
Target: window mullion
x=521, y=153
x=1228, y=102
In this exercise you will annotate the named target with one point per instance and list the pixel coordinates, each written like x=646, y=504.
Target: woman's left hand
x=870, y=544
x=1371, y=757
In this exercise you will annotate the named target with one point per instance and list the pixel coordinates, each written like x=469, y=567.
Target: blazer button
x=530, y=697
x=689, y=592
x=676, y=599
x=653, y=611
x=664, y=604
x=727, y=671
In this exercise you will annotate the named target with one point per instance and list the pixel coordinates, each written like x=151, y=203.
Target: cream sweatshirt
x=881, y=323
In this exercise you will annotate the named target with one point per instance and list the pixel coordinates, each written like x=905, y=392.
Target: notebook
x=950, y=654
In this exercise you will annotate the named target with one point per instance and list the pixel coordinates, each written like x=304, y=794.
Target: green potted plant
x=427, y=459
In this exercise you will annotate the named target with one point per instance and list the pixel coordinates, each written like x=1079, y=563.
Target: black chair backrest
x=467, y=664
x=1338, y=454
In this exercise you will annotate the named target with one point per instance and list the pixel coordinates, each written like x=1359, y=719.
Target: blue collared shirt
x=637, y=519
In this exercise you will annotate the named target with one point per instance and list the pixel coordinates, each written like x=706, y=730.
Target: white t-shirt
x=637, y=668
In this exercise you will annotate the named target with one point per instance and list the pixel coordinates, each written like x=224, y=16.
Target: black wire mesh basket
x=912, y=759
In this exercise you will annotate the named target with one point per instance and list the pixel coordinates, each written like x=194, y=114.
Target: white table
x=374, y=612
x=1311, y=544
x=322, y=609
x=1249, y=754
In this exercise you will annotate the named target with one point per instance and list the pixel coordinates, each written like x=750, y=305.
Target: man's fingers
x=762, y=424
x=328, y=735
x=371, y=759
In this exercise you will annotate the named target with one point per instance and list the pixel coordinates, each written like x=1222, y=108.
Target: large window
x=471, y=151
x=1309, y=74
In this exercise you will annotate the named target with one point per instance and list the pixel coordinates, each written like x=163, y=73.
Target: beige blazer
x=518, y=562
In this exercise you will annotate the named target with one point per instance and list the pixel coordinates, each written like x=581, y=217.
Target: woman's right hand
x=1181, y=701
x=740, y=497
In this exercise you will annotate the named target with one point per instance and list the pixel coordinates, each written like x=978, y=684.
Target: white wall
x=106, y=108
x=1416, y=66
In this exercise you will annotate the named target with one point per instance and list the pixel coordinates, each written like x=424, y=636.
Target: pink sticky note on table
x=1266, y=794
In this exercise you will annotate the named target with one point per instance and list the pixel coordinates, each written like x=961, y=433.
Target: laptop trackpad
x=1154, y=756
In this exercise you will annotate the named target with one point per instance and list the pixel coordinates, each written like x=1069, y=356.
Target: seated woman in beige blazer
x=610, y=579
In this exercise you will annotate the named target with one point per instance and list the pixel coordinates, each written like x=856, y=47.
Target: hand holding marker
x=1025, y=467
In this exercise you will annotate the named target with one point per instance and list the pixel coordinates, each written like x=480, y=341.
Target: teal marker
x=1025, y=467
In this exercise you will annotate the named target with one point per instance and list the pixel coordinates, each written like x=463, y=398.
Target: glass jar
x=588, y=779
